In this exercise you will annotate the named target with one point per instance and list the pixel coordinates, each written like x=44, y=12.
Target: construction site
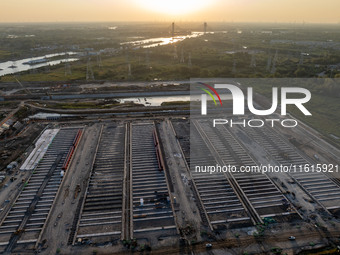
x=126, y=184
x=101, y=151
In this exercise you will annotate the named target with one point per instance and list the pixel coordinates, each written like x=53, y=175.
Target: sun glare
x=174, y=7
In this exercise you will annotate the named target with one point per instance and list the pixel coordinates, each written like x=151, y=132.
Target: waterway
x=11, y=67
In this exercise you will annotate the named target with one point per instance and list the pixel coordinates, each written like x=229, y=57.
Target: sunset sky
x=316, y=11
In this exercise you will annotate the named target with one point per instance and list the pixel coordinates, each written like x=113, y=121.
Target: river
x=11, y=67
x=154, y=42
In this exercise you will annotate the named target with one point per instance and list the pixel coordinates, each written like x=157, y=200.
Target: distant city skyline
x=310, y=11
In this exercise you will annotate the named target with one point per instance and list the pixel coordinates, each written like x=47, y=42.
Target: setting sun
x=174, y=7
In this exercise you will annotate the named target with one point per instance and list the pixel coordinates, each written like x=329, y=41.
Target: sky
x=310, y=11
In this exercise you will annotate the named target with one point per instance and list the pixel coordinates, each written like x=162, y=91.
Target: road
x=11, y=114
x=188, y=211
x=61, y=218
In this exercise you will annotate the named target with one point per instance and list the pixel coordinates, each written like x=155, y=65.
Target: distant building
x=7, y=124
x=17, y=125
x=322, y=74
x=12, y=165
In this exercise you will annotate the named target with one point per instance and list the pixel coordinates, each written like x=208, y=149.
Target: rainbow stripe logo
x=209, y=93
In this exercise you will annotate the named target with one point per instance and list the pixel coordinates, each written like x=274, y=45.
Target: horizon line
x=178, y=21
